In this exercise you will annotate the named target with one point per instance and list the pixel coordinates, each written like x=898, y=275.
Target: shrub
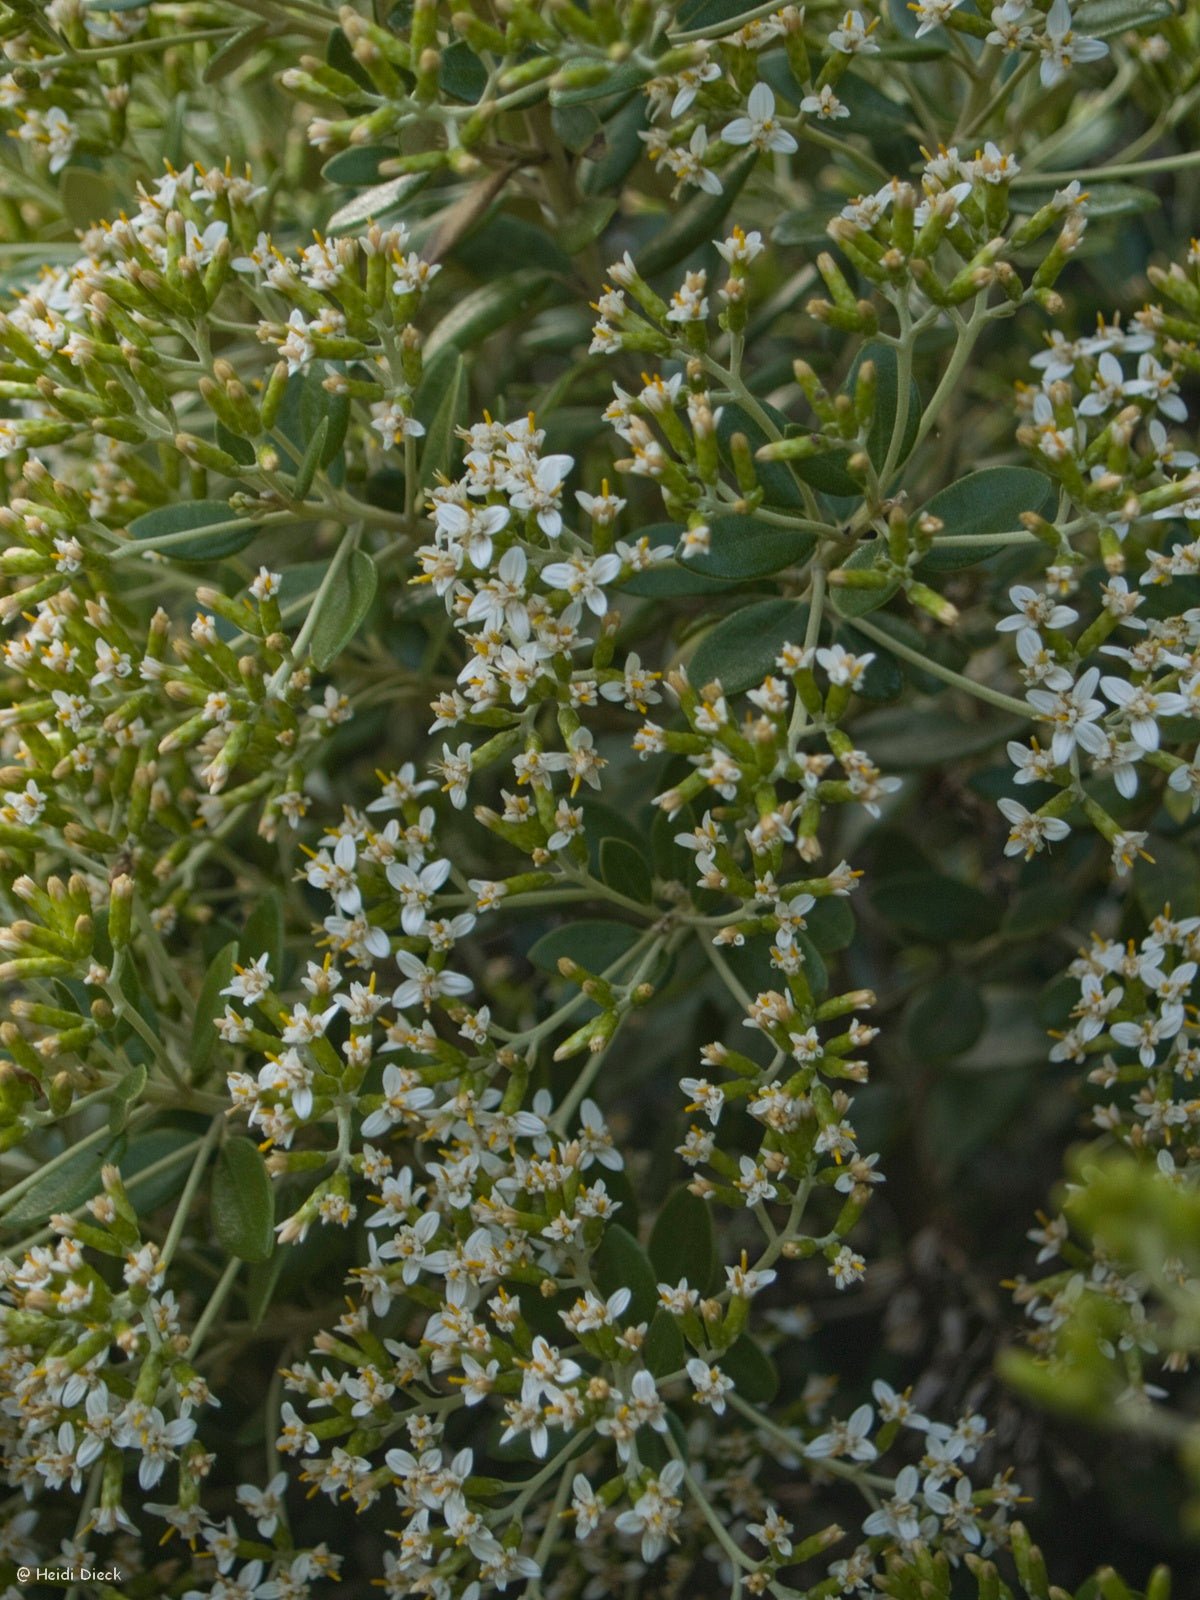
x=577, y=574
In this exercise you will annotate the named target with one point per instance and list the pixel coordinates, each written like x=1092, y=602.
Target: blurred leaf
x=913, y=736
x=831, y=923
x=850, y=602
x=1102, y=18
x=235, y=51
x=753, y=1372
x=624, y=869
x=887, y=393
x=621, y=1263
x=462, y=74
x=1104, y=200
x=357, y=167
x=1172, y=879
x=944, y=1018
x=575, y=126
x=376, y=204
x=935, y=907
x=682, y=1242
x=488, y=308
x=66, y=1187
x=694, y=223
x=125, y=1096
x=441, y=442
x=663, y=1351
x=209, y=1006
x=263, y=934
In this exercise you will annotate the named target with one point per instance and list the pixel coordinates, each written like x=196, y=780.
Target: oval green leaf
x=243, y=1202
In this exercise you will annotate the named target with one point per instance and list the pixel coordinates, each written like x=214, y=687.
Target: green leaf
x=586, y=222
x=339, y=53
x=263, y=933
x=311, y=460
x=858, y=602
x=343, y=607
x=66, y=1187
x=831, y=924
x=243, y=1203
x=935, y=907
x=673, y=581
x=87, y=195
x=461, y=74
x=147, y=1150
x=206, y=519
x=1044, y=907
x=741, y=649
x=805, y=227
x=209, y=1006
x=576, y=127
x=779, y=485
x=1102, y=18
x=753, y=1372
x=621, y=81
x=593, y=943
x=125, y=1096
x=883, y=679
x=441, y=442
x=682, y=1243
x=1104, y=200
x=487, y=308
x=744, y=547
x=624, y=869
x=261, y=1282
x=663, y=1351
x=695, y=223
x=358, y=167
x=235, y=51
x=827, y=472
x=907, y=738
x=621, y=1263
x=604, y=170
x=945, y=1018
x=376, y=204
x=989, y=501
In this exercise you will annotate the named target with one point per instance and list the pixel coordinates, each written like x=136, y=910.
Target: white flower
x=825, y=105
x=1062, y=49
x=710, y=1385
x=655, y=1512
x=759, y=127
x=583, y=579
x=425, y=984
x=1029, y=831
x=1072, y=713
x=854, y=36
x=539, y=488
x=932, y=14
x=1143, y=706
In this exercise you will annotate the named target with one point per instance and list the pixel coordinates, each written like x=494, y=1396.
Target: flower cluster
x=483, y=1147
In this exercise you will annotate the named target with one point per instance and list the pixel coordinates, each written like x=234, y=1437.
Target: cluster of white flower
x=1100, y=431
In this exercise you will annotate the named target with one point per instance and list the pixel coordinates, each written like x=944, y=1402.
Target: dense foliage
x=599, y=749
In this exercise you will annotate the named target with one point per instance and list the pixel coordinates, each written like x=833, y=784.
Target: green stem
x=214, y=1303
x=1120, y=169
x=993, y=697
x=179, y=1220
